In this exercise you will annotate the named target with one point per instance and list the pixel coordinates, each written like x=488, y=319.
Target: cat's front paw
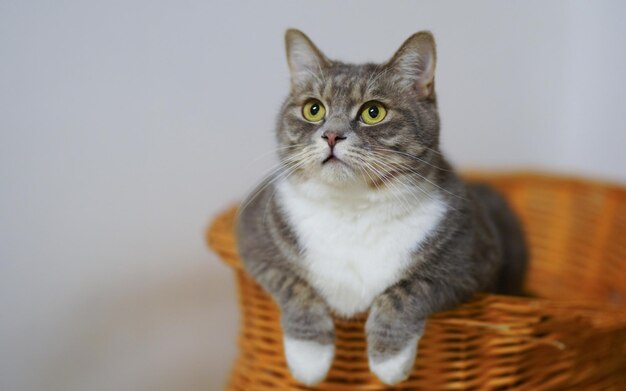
x=308, y=361
x=394, y=368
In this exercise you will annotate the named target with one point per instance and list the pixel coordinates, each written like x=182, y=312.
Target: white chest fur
x=356, y=247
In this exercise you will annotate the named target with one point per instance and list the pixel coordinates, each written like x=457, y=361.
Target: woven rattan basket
x=572, y=336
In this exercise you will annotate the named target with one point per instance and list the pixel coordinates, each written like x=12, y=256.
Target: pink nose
x=332, y=138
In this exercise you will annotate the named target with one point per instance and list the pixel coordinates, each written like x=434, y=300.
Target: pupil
x=373, y=111
x=315, y=109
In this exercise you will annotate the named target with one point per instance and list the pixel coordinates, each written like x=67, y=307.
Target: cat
x=365, y=213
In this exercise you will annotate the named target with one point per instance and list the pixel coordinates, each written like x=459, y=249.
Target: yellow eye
x=313, y=110
x=373, y=113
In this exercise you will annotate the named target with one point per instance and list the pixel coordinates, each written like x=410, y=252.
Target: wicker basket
x=572, y=337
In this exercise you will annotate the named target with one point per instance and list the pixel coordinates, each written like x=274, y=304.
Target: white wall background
x=126, y=125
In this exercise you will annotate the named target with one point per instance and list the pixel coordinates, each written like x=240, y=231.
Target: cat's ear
x=304, y=58
x=415, y=63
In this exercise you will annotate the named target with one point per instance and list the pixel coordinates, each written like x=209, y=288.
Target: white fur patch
x=398, y=367
x=308, y=361
x=357, y=241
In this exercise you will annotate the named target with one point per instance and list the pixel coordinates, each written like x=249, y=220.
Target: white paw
x=397, y=368
x=308, y=361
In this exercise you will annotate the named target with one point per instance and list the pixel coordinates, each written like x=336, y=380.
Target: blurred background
x=127, y=125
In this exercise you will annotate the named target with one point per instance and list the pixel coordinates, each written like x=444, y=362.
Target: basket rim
x=541, y=175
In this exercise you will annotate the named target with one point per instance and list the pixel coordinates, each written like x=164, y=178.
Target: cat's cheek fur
x=308, y=361
x=397, y=368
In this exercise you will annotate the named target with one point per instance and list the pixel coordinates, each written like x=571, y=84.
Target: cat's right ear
x=415, y=63
x=305, y=60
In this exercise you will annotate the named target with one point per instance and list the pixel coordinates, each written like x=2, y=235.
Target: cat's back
x=510, y=238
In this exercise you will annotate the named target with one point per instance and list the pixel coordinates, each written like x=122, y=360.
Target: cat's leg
x=308, y=335
x=392, y=339
x=397, y=319
x=308, y=328
x=265, y=244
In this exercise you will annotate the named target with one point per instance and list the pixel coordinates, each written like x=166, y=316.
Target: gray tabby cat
x=365, y=213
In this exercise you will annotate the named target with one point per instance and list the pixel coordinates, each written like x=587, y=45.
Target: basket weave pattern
x=572, y=336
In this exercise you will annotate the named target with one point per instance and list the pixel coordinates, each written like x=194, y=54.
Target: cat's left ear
x=304, y=58
x=415, y=63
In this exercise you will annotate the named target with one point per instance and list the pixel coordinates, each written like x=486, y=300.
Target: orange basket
x=571, y=336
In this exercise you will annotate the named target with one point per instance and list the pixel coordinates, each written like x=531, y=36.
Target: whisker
x=433, y=150
x=279, y=149
x=405, y=166
x=275, y=174
x=363, y=170
x=407, y=188
x=284, y=175
x=412, y=157
x=394, y=190
x=412, y=180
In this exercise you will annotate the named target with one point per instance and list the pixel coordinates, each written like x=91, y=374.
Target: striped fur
x=386, y=227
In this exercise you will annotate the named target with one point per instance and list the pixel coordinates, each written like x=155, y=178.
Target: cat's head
x=368, y=124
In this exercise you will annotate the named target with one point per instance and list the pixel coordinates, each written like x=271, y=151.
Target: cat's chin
x=337, y=173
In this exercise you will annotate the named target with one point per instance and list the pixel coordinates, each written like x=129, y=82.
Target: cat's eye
x=313, y=110
x=373, y=112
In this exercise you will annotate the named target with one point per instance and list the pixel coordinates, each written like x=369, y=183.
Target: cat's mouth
x=331, y=158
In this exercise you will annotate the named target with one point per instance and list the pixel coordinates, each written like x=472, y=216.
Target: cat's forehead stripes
x=345, y=86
